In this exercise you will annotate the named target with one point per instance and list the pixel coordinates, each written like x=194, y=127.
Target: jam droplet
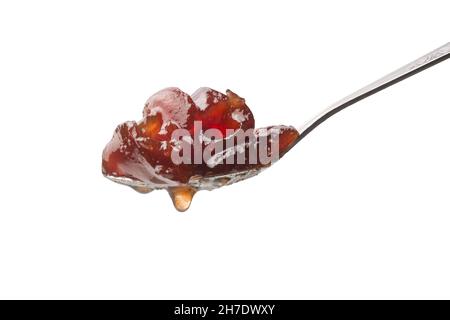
x=182, y=197
x=141, y=189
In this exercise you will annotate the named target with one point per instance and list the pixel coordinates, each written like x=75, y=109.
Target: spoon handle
x=392, y=78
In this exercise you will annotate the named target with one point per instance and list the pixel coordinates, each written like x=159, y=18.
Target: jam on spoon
x=205, y=141
x=167, y=148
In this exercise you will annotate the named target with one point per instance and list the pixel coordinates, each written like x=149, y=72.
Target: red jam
x=189, y=143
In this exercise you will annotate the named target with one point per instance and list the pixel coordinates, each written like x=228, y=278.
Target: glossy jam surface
x=140, y=154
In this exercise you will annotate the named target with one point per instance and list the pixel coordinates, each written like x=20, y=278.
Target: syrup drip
x=182, y=197
x=142, y=189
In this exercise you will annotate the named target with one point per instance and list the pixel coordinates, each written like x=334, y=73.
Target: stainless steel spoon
x=392, y=78
x=182, y=194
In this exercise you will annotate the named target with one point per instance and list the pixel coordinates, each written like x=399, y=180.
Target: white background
x=359, y=209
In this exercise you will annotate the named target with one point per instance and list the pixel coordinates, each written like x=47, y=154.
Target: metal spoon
x=425, y=62
x=182, y=194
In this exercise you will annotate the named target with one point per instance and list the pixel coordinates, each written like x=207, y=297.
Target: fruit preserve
x=189, y=143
